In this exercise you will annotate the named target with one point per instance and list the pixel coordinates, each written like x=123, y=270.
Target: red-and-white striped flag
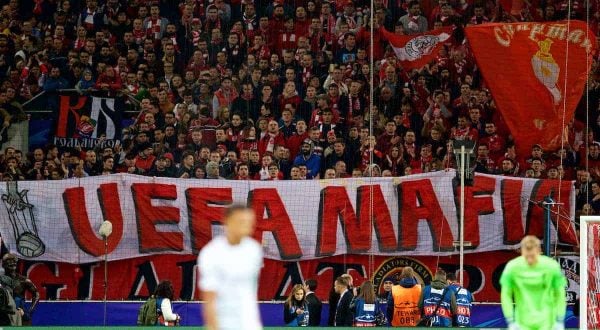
x=414, y=51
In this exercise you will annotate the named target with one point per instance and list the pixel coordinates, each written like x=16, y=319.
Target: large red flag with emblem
x=536, y=72
x=415, y=51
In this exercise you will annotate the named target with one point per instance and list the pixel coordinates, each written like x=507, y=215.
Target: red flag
x=524, y=65
x=415, y=51
x=507, y=5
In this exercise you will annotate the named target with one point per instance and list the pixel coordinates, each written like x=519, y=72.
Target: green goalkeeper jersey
x=533, y=296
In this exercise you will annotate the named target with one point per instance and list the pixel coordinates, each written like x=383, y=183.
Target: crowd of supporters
x=279, y=89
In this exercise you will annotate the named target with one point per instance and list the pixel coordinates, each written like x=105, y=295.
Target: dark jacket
x=343, y=313
x=247, y=109
x=333, y=300
x=290, y=315
x=314, y=309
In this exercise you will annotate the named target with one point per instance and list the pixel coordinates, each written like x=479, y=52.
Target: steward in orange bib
x=403, y=301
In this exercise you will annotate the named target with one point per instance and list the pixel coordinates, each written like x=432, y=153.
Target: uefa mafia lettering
x=506, y=32
x=206, y=207
x=199, y=208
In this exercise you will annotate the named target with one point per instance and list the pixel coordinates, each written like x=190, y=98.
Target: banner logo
x=421, y=46
x=393, y=268
x=86, y=127
x=546, y=70
x=88, y=121
x=20, y=215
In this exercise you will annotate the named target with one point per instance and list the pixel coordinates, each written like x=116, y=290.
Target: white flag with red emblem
x=415, y=51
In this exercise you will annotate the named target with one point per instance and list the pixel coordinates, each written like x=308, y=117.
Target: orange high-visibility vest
x=406, y=306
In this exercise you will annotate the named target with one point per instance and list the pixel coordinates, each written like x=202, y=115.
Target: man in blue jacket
x=52, y=86
x=464, y=302
x=438, y=301
x=309, y=158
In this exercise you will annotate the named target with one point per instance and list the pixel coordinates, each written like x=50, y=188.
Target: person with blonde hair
x=533, y=290
x=295, y=308
x=403, y=301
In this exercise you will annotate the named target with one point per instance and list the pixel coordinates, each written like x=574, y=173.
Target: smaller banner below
x=415, y=51
x=87, y=121
x=536, y=72
x=137, y=278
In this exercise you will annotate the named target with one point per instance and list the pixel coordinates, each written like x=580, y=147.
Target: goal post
x=589, y=307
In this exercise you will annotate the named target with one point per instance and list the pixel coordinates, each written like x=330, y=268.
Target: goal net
x=590, y=272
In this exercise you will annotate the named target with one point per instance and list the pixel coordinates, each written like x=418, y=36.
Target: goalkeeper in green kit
x=533, y=290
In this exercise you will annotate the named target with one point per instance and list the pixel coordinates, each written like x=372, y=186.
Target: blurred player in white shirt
x=229, y=267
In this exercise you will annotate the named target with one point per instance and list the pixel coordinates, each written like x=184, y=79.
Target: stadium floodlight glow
x=589, y=272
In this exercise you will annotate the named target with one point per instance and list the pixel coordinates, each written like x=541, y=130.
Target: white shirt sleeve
x=260, y=256
x=209, y=277
x=167, y=310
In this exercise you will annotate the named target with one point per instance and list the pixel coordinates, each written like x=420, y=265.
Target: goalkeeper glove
x=559, y=325
x=512, y=325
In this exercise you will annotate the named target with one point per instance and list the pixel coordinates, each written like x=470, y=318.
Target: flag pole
x=462, y=214
x=371, y=63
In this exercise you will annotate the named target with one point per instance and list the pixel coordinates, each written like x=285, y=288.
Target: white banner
x=570, y=268
x=415, y=215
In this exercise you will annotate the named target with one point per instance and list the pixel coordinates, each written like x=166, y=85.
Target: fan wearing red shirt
x=389, y=138
x=424, y=163
x=289, y=95
x=294, y=142
x=463, y=130
x=593, y=160
x=243, y=172
x=288, y=39
x=302, y=22
x=316, y=117
x=267, y=32
x=368, y=149
x=271, y=139
x=259, y=47
x=145, y=158
x=495, y=143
